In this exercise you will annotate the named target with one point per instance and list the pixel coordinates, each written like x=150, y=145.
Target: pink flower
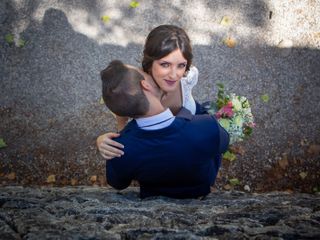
x=225, y=111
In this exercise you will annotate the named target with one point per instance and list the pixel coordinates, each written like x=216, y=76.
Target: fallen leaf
x=11, y=176
x=229, y=156
x=64, y=181
x=265, y=98
x=234, y=181
x=247, y=188
x=316, y=189
x=21, y=43
x=304, y=142
x=2, y=143
x=102, y=179
x=226, y=21
x=101, y=100
x=238, y=150
x=283, y=162
x=314, y=149
x=74, y=181
x=303, y=175
x=105, y=19
x=9, y=38
x=93, y=178
x=227, y=187
x=51, y=178
x=230, y=42
x=134, y=4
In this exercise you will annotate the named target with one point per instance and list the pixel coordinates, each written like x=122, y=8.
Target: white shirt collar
x=155, y=122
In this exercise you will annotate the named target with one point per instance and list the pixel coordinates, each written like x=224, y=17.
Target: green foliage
x=316, y=189
x=248, y=131
x=134, y=4
x=2, y=143
x=105, y=19
x=222, y=97
x=229, y=156
x=234, y=181
x=265, y=98
x=9, y=38
x=21, y=43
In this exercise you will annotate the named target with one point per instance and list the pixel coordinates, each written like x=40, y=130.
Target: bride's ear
x=145, y=85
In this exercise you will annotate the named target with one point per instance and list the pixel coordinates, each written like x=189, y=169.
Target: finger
x=107, y=157
x=113, y=143
x=112, y=135
x=108, y=148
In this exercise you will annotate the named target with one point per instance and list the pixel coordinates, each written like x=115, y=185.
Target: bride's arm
x=109, y=148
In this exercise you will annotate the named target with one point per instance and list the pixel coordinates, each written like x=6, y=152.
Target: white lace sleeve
x=187, y=83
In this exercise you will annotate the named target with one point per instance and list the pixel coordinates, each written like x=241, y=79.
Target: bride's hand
x=107, y=147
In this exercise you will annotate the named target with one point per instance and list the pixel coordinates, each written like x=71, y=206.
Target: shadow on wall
x=51, y=112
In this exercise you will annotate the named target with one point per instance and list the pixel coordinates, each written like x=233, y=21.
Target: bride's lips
x=170, y=82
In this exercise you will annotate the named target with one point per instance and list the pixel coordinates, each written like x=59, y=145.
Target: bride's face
x=168, y=71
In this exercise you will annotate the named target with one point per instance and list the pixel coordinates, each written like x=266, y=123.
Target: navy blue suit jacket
x=179, y=161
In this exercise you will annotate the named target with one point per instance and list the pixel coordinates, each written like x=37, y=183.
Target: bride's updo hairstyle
x=162, y=41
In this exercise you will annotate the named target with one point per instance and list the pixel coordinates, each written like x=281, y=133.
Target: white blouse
x=187, y=83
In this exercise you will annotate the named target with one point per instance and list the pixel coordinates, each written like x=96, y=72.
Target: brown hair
x=122, y=92
x=163, y=40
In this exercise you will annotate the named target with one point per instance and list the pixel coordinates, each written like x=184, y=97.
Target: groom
x=171, y=156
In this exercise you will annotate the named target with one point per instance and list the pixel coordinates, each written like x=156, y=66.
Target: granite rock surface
x=103, y=213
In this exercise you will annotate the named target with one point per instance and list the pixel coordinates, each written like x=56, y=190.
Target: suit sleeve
x=119, y=173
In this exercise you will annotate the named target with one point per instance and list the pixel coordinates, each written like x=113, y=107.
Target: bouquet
x=234, y=114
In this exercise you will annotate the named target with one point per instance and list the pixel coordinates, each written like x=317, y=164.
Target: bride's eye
x=165, y=65
x=182, y=65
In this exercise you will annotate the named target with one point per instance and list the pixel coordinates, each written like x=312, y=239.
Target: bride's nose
x=173, y=73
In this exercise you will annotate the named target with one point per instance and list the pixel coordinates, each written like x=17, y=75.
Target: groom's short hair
x=122, y=91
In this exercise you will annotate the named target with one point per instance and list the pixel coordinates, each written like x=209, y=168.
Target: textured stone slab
x=103, y=213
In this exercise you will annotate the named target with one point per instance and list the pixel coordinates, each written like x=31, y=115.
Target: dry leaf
x=317, y=35
x=226, y=21
x=74, y=181
x=230, y=42
x=11, y=176
x=283, y=162
x=51, y=178
x=134, y=4
x=101, y=100
x=247, y=188
x=2, y=143
x=93, y=178
x=105, y=19
x=102, y=180
x=303, y=175
x=227, y=187
x=314, y=150
x=238, y=150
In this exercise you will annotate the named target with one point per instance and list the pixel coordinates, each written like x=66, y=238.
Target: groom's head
x=122, y=90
